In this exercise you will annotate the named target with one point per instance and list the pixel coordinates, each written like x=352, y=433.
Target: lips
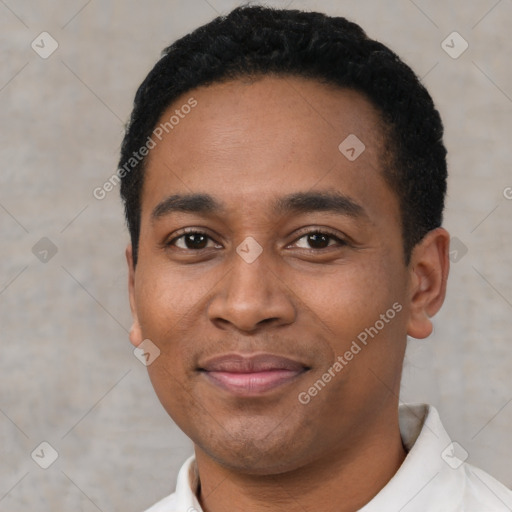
x=251, y=375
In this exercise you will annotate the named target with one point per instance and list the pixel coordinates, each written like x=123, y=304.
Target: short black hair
x=254, y=40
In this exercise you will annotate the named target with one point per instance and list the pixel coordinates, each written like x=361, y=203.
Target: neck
x=343, y=480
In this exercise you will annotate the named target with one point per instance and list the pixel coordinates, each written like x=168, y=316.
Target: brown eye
x=319, y=240
x=192, y=240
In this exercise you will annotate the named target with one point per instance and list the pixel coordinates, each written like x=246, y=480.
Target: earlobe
x=135, y=335
x=429, y=269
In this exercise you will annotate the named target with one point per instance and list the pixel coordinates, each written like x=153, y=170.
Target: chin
x=256, y=463
x=256, y=455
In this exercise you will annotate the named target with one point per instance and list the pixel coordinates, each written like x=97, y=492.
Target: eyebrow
x=295, y=203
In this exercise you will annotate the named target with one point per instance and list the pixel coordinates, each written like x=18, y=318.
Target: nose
x=252, y=295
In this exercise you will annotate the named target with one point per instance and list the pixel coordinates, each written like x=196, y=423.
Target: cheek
x=166, y=297
x=171, y=307
x=174, y=390
x=167, y=302
x=348, y=299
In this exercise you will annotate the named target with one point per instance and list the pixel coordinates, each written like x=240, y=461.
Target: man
x=284, y=180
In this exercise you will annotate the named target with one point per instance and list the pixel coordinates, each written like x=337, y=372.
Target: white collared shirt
x=432, y=478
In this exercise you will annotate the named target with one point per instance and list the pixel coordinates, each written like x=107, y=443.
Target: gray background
x=68, y=373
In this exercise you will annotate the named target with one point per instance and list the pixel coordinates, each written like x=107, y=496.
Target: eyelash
x=329, y=234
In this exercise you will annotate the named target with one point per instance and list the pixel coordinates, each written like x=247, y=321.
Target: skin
x=248, y=143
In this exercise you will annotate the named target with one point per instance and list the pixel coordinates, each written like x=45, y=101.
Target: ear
x=136, y=337
x=429, y=269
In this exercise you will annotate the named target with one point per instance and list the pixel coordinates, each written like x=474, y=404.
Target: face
x=289, y=262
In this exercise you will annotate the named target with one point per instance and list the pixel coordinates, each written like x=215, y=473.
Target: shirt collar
x=423, y=480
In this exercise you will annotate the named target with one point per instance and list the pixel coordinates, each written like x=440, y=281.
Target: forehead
x=252, y=138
